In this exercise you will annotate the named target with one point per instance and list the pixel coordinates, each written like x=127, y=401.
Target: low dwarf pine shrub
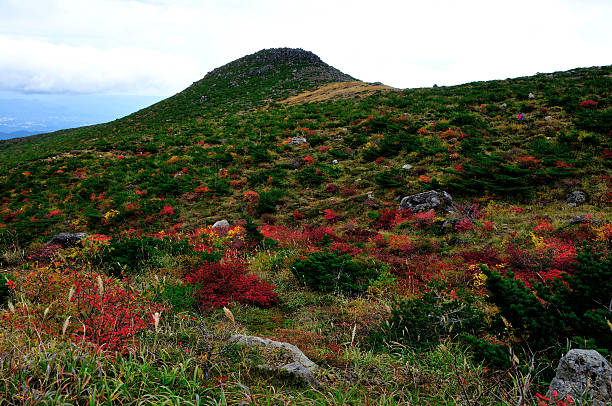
x=328, y=272
x=219, y=284
x=421, y=322
x=573, y=307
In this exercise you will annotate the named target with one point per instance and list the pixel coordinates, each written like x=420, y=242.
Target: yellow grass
x=339, y=90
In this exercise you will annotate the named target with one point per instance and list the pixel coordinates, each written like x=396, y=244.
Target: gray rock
x=576, y=198
x=221, y=224
x=531, y=96
x=548, y=118
x=335, y=162
x=407, y=166
x=301, y=367
x=585, y=376
x=503, y=106
x=65, y=240
x=428, y=200
x=584, y=219
x=297, y=141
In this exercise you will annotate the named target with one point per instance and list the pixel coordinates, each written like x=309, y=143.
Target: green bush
x=310, y=176
x=388, y=180
x=181, y=297
x=328, y=272
x=420, y=323
x=573, y=307
x=268, y=201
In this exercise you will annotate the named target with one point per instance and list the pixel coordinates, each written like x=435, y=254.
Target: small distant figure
x=520, y=117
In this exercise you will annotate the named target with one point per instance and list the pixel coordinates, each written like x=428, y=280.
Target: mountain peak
x=285, y=55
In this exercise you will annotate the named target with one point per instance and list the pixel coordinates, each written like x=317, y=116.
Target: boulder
x=585, y=376
x=65, y=240
x=576, y=198
x=301, y=366
x=427, y=201
x=221, y=224
x=584, y=219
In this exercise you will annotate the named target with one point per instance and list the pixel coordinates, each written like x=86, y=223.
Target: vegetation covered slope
x=309, y=172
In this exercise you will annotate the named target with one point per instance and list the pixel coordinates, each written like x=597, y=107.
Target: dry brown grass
x=340, y=90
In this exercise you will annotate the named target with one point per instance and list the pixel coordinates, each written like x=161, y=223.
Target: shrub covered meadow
x=469, y=306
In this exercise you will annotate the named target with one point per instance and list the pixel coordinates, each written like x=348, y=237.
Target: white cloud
x=34, y=66
x=164, y=45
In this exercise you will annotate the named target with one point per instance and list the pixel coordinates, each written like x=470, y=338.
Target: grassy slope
x=236, y=140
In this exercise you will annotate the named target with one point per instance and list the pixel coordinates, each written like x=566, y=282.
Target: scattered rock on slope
x=221, y=224
x=576, y=198
x=583, y=219
x=65, y=240
x=427, y=201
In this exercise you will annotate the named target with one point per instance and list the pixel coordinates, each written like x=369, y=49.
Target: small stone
x=297, y=141
x=503, y=106
x=548, y=118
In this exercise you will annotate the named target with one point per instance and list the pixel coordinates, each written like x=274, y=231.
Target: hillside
x=308, y=166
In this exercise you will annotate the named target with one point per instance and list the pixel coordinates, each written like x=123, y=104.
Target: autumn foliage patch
x=219, y=284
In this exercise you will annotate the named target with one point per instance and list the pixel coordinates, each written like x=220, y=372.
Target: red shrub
x=330, y=215
x=345, y=248
x=331, y=188
x=464, y=225
x=348, y=191
x=389, y=218
x=167, y=211
x=486, y=256
x=113, y=318
x=219, y=284
x=308, y=160
x=317, y=234
x=591, y=104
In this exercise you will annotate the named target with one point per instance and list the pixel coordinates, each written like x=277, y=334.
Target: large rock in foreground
x=585, y=376
x=300, y=366
x=427, y=201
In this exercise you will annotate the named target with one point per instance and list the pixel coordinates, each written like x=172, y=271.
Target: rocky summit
x=280, y=232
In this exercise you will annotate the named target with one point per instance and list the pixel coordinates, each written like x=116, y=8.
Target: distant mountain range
x=16, y=134
x=23, y=115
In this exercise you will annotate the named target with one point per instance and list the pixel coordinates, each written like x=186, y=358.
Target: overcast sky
x=159, y=47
